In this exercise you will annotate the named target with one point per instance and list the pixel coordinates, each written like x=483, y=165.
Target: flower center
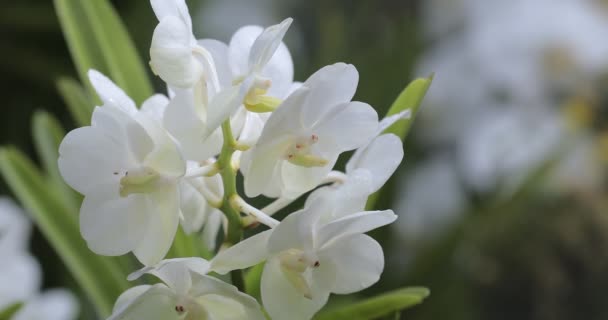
x=294, y=264
x=140, y=180
x=300, y=153
x=256, y=99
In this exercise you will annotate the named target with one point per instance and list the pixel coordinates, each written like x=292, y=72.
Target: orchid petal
x=353, y=224
x=283, y=301
x=381, y=158
x=360, y=262
x=244, y=254
x=110, y=93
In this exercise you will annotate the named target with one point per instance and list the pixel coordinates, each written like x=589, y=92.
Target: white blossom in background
x=432, y=198
x=507, y=147
x=186, y=292
x=499, y=65
x=21, y=275
x=127, y=166
x=506, y=49
x=307, y=259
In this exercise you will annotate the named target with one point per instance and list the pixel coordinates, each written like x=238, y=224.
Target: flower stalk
x=228, y=174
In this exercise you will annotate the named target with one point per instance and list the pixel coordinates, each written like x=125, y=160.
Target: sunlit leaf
x=100, y=277
x=409, y=99
x=379, y=306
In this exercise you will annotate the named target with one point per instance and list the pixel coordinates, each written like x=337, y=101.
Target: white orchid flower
x=303, y=138
x=306, y=259
x=255, y=70
x=127, y=167
x=186, y=293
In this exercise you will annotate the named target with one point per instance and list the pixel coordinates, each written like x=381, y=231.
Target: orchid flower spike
x=128, y=168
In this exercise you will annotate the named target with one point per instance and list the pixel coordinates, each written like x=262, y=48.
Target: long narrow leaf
x=98, y=39
x=47, y=133
x=77, y=99
x=80, y=39
x=100, y=277
x=119, y=52
x=378, y=306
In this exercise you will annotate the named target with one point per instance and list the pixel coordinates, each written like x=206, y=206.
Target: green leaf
x=100, y=277
x=98, y=39
x=253, y=277
x=77, y=99
x=48, y=134
x=409, y=99
x=10, y=311
x=185, y=245
x=378, y=306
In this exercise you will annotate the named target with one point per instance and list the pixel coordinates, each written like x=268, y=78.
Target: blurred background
x=502, y=195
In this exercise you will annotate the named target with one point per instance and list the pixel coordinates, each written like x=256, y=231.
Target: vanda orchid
x=230, y=109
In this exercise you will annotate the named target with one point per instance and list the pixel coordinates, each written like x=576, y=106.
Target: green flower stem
x=228, y=174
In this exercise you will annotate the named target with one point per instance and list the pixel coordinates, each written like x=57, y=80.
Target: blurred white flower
x=491, y=51
x=21, y=275
x=432, y=197
x=507, y=147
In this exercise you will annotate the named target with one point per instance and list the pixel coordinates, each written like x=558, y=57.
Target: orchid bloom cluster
x=20, y=273
x=230, y=108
